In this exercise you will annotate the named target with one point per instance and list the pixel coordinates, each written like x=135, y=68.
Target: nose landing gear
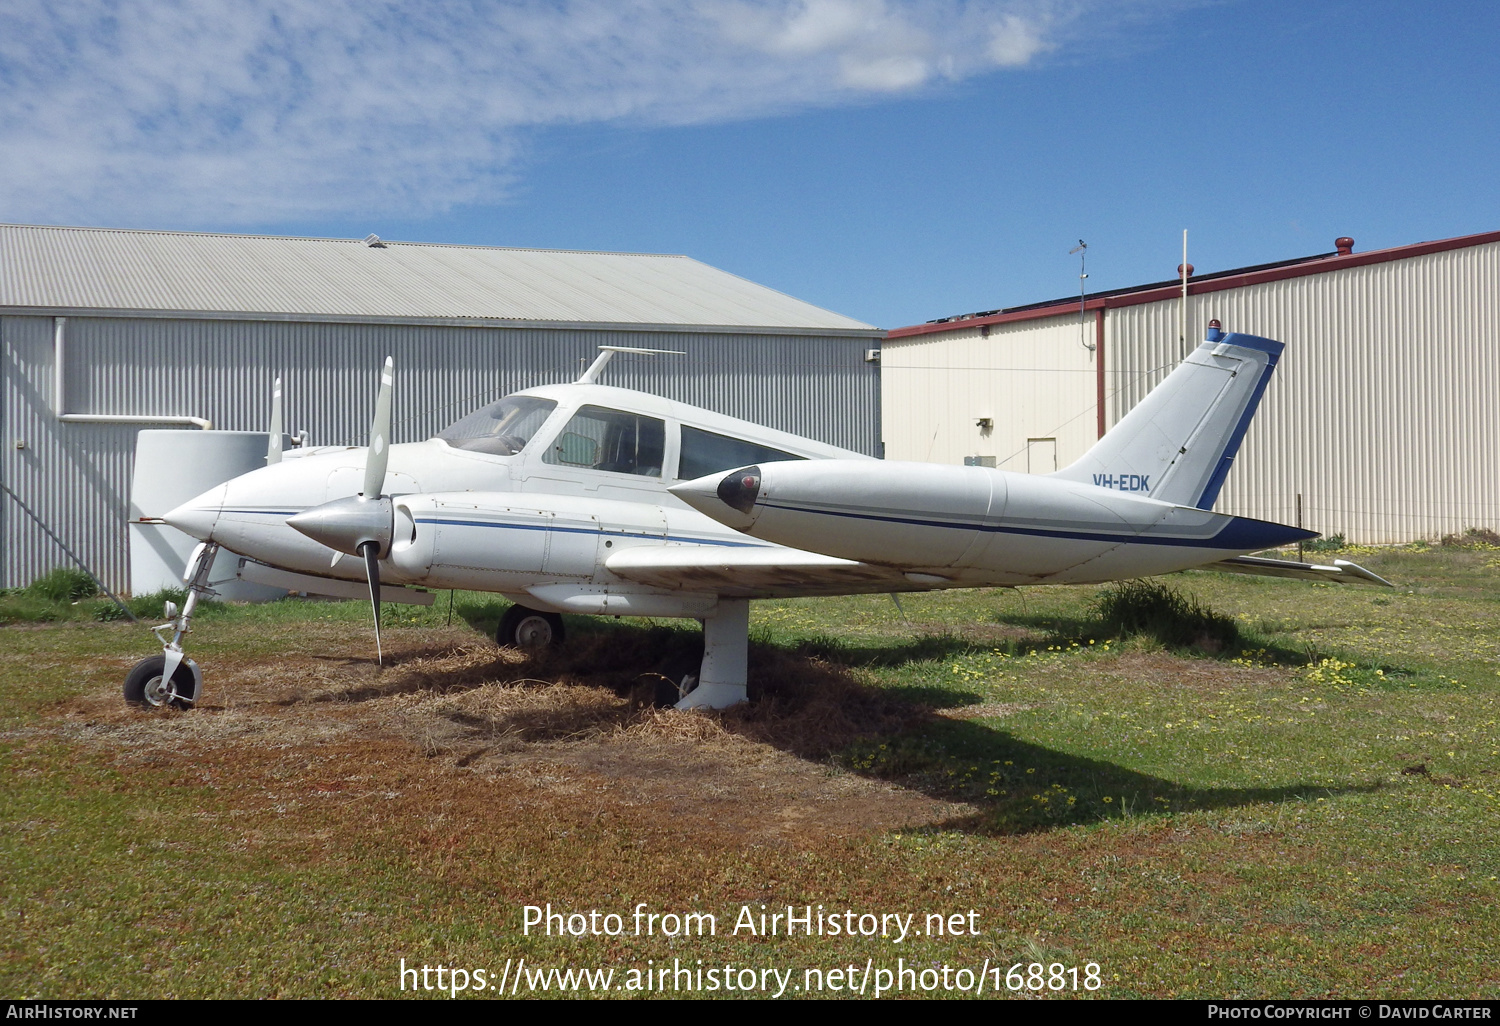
x=171, y=679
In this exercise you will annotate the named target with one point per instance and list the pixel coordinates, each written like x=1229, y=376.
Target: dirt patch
x=497, y=734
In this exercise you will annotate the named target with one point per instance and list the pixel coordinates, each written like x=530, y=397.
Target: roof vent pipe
x=1344, y=245
x=1180, y=268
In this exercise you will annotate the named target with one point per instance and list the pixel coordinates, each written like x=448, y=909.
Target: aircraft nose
x=198, y=516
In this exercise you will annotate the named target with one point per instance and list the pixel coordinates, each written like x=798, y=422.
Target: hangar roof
x=122, y=272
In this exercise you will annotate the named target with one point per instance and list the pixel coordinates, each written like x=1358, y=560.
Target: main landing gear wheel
x=529, y=629
x=147, y=688
x=678, y=677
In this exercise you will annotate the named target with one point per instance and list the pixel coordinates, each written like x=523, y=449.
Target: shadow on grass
x=929, y=648
x=1018, y=786
x=818, y=710
x=479, y=611
x=1061, y=633
x=1041, y=634
x=1133, y=609
x=634, y=662
x=808, y=701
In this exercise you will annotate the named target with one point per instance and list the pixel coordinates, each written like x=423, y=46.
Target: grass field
x=1308, y=812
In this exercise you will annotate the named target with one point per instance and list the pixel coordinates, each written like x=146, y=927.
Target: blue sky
x=893, y=161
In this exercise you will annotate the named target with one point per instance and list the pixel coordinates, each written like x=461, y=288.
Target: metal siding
x=1033, y=378
x=77, y=476
x=1382, y=411
x=72, y=476
x=817, y=387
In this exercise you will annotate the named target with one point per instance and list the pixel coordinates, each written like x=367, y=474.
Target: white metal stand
x=726, y=643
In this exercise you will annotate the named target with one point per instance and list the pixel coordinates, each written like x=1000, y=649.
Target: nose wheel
x=147, y=686
x=529, y=629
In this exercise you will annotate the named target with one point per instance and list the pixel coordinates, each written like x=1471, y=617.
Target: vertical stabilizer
x=1178, y=443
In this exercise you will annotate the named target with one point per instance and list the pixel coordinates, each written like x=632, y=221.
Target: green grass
x=1308, y=810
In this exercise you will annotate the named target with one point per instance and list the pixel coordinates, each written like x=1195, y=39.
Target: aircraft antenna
x=1186, y=270
x=1082, y=249
x=606, y=353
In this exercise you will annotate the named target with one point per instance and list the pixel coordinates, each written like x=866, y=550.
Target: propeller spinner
x=361, y=524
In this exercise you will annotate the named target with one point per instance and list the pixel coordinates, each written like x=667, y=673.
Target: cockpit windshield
x=502, y=428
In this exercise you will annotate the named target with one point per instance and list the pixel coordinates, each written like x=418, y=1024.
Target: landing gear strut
x=172, y=679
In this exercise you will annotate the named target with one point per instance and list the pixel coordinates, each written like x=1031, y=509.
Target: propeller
x=361, y=524
x=380, y=432
x=376, y=456
x=273, y=446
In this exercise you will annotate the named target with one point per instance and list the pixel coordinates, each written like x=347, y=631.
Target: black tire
x=529, y=629
x=144, y=685
x=679, y=676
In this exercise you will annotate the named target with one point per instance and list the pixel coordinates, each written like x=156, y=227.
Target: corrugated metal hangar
x=107, y=331
x=1382, y=415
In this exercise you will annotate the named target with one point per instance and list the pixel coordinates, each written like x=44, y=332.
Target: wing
x=759, y=572
x=1341, y=572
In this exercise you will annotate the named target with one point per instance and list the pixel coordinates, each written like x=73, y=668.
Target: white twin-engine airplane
x=582, y=498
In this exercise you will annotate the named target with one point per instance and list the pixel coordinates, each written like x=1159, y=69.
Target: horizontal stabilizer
x=1178, y=443
x=1341, y=572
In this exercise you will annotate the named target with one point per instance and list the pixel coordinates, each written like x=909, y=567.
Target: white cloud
x=1014, y=42
x=210, y=111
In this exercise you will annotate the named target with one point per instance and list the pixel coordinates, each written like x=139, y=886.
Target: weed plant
x=1152, y=609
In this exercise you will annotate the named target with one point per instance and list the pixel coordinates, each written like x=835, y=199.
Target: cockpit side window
x=704, y=452
x=502, y=428
x=610, y=440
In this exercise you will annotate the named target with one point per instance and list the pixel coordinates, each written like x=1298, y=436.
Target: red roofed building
x=1383, y=416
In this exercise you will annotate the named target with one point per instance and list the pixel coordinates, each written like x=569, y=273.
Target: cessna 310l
x=582, y=498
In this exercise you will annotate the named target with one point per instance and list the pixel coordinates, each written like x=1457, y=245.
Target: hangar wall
x=1034, y=380
x=76, y=477
x=1382, y=413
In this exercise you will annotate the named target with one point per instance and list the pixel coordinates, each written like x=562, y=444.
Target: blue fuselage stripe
x=1244, y=534
x=540, y=527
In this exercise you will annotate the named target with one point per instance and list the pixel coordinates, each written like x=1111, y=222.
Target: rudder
x=1178, y=443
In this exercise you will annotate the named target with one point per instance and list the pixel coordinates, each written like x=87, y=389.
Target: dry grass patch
x=985, y=710
x=504, y=734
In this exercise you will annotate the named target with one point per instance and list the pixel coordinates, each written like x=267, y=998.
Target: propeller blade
x=380, y=435
x=273, y=447
x=371, y=552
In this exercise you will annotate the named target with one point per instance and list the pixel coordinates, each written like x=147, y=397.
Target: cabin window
x=502, y=428
x=610, y=440
x=704, y=452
